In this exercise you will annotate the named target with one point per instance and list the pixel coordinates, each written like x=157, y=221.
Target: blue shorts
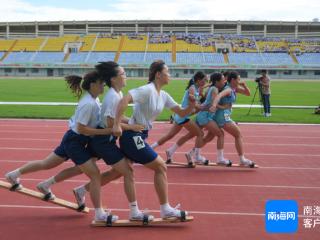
x=223, y=116
x=180, y=120
x=204, y=117
x=134, y=147
x=74, y=146
x=102, y=147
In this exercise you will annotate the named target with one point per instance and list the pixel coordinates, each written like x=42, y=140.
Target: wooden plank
x=38, y=195
x=179, y=164
x=128, y=223
x=213, y=164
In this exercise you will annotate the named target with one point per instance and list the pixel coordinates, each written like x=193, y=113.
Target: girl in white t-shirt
x=104, y=146
x=82, y=125
x=149, y=101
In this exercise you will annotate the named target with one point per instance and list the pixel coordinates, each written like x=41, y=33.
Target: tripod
x=258, y=89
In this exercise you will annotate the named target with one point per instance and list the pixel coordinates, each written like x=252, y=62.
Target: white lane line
x=8, y=120
x=193, y=184
x=162, y=152
x=151, y=210
x=127, y=210
x=153, y=134
x=172, y=142
x=138, y=165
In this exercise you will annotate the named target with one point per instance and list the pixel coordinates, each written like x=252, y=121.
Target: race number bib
x=227, y=117
x=139, y=142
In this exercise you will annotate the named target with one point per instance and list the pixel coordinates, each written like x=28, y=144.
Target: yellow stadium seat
x=134, y=45
x=87, y=41
x=57, y=44
x=107, y=44
x=183, y=46
x=29, y=45
x=6, y=44
x=272, y=45
x=238, y=48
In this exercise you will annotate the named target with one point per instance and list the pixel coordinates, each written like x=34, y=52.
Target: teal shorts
x=223, y=116
x=180, y=120
x=204, y=117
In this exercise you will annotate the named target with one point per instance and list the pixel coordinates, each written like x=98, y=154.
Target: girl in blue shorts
x=104, y=146
x=82, y=125
x=149, y=101
x=226, y=98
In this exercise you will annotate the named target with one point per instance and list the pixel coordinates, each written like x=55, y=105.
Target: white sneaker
x=173, y=213
x=268, y=114
x=247, y=163
x=105, y=217
x=190, y=158
x=79, y=194
x=225, y=162
x=140, y=216
x=202, y=160
x=44, y=187
x=14, y=180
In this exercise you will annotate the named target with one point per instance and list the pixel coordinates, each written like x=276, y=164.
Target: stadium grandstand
x=288, y=50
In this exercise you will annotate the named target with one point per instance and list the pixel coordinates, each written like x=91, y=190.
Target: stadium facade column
x=61, y=29
x=212, y=28
x=161, y=28
x=239, y=28
x=7, y=31
x=37, y=29
x=265, y=30
x=296, y=30
x=87, y=28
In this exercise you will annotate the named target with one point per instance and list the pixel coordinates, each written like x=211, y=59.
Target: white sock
x=16, y=173
x=197, y=153
x=173, y=148
x=165, y=207
x=51, y=181
x=242, y=158
x=154, y=145
x=83, y=188
x=220, y=154
x=134, y=207
x=99, y=212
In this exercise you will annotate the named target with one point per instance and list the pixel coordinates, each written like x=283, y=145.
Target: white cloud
x=286, y=10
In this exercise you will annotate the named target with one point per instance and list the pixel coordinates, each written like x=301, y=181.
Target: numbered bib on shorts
x=139, y=142
x=227, y=117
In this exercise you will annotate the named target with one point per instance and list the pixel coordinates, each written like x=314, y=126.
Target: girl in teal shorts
x=227, y=97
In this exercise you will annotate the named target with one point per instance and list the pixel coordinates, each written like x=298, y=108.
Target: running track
x=226, y=203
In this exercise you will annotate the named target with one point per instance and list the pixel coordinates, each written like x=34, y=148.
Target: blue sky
x=56, y=10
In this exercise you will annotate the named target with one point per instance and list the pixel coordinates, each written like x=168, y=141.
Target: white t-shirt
x=148, y=104
x=109, y=106
x=87, y=113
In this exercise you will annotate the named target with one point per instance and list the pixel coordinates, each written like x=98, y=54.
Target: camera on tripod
x=258, y=79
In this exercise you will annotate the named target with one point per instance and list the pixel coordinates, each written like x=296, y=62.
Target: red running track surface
x=227, y=203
